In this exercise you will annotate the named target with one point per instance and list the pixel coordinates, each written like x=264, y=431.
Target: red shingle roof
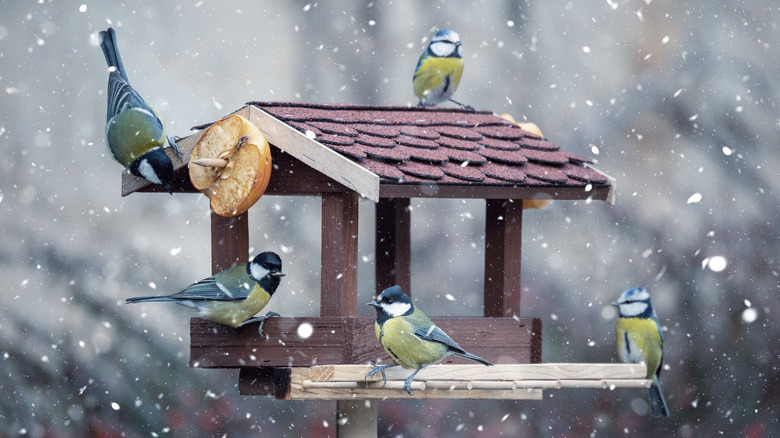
x=411, y=145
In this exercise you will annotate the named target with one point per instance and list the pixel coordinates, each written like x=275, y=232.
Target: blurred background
x=677, y=100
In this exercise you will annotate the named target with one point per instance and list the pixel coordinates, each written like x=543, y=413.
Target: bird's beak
x=616, y=304
x=373, y=303
x=278, y=274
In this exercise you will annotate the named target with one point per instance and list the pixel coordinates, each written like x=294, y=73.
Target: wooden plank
x=393, y=244
x=339, y=254
x=474, y=191
x=229, y=241
x=503, y=245
x=351, y=340
x=515, y=381
x=336, y=166
x=478, y=372
x=299, y=390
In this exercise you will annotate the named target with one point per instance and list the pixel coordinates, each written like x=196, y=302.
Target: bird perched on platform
x=233, y=296
x=439, y=69
x=639, y=339
x=135, y=133
x=410, y=337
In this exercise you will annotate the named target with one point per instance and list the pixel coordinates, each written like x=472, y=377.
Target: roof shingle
x=414, y=145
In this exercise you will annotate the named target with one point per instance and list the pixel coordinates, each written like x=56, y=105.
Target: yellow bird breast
x=638, y=340
x=234, y=313
x=398, y=339
x=438, y=75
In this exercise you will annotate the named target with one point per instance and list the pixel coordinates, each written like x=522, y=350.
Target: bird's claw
x=173, y=142
x=261, y=320
x=408, y=385
x=378, y=369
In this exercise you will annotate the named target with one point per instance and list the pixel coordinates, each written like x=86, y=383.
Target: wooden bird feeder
x=389, y=155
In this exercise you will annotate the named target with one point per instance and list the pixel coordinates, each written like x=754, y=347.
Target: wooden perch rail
x=510, y=381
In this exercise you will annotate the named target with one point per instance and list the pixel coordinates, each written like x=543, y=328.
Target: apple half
x=231, y=164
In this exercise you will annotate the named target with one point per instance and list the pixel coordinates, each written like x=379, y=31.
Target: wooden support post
x=393, y=244
x=338, y=294
x=229, y=241
x=503, y=241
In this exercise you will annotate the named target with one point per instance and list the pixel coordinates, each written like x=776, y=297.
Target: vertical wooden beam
x=229, y=241
x=503, y=243
x=393, y=244
x=338, y=295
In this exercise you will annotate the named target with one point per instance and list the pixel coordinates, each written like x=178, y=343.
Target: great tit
x=439, y=69
x=233, y=296
x=410, y=337
x=135, y=133
x=639, y=339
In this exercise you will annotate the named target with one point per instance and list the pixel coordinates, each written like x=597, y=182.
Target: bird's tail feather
x=111, y=51
x=150, y=300
x=657, y=403
x=474, y=358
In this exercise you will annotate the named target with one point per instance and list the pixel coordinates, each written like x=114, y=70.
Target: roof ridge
x=344, y=106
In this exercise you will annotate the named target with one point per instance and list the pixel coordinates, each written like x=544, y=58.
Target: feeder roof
x=425, y=152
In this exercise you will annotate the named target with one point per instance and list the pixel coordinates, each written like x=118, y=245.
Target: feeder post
x=503, y=242
x=338, y=297
x=229, y=241
x=393, y=244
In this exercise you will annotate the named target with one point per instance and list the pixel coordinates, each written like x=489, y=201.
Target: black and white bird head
x=391, y=303
x=445, y=44
x=634, y=303
x=266, y=269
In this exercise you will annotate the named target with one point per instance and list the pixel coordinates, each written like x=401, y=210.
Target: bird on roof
x=135, y=133
x=639, y=339
x=410, y=337
x=233, y=296
x=439, y=70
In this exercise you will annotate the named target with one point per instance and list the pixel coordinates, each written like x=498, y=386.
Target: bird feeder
x=390, y=154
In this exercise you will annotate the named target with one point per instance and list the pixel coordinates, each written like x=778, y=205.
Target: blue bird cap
x=446, y=35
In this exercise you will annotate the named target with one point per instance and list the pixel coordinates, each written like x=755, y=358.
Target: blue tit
x=233, y=296
x=135, y=133
x=439, y=69
x=639, y=339
x=410, y=337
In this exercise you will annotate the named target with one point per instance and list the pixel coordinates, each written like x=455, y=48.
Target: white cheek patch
x=633, y=309
x=442, y=48
x=147, y=171
x=396, y=309
x=257, y=271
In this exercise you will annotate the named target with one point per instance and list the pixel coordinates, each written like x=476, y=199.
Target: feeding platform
x=513, y=381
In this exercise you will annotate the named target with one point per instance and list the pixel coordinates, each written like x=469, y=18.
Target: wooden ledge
x=508, y=381
x=311, y=341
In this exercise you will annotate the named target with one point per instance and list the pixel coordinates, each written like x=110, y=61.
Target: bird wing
x=434, y=334
x=122, y=96
x=232, y=284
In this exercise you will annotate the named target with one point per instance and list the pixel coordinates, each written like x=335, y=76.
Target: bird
x=135, y=134
x=233, y=296
x=439, y=70
x=639, y=339
x=410, y=337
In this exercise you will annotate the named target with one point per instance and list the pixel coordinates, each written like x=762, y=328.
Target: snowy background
x=677, y=100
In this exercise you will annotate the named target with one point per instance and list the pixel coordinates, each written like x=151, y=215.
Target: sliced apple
x=532, y=128
x=231, y=164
